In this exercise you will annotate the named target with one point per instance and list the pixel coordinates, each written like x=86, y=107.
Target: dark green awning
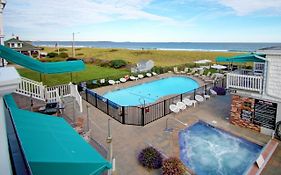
x=253, y=57
x=52, y=146
x=45, y=68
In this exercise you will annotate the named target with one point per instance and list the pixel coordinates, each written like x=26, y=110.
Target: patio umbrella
x=202, y=61
x=218, y=67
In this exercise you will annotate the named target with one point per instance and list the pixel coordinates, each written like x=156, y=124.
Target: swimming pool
x=208, y=150
x=150, y=92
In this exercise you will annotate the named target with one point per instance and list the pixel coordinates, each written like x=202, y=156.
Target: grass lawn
x=160, y=57
x=90, y=73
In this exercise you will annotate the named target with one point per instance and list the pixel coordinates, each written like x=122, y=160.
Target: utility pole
x=2, y=6
x=109, y=141
x=73, y=45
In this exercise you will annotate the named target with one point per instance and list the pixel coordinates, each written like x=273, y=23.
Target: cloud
x=42, y=14
x=246, y=7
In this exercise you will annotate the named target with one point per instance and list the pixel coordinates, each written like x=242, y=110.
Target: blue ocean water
x=208, y=150
x=162, y=45
x=151, y=91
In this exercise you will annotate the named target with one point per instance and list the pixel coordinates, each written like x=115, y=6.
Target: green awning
x=253, y=57
x=45, y=68
x=53, y=147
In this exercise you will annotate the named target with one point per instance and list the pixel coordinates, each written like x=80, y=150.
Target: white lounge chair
x=206, y=96
x=186, y=70
x=148, y=74
x=199, y=98
x=213, y=92
x=140, y=76
x=193, y=71
x=133, y=78
x=112, y=82
x=154, y=73
x=102, y=81
x=122, y=80
x=176, y=70
x=189, y=102
x=174, y=108
x=181, y=105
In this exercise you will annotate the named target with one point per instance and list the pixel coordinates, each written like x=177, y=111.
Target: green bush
x=80, y=54
x=52, y=55
x=118, y=63
x=63, y=55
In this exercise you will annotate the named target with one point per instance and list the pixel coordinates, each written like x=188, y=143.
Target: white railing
x=74, y=93
x=63, y=90
x=32, y=88
x=38, y=91
x=245, y=82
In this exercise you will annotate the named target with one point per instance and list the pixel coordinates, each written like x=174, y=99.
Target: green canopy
x=253, y=57
x=45, y=68
x=52, y=147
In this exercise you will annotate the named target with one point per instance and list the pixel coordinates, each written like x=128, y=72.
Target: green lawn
x=90, y=73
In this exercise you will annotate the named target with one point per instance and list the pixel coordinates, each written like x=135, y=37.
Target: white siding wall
x=273, y=79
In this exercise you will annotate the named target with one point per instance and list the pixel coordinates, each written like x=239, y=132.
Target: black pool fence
x=143, y=114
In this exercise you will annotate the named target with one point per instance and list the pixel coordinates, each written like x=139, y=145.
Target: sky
x=144, y=20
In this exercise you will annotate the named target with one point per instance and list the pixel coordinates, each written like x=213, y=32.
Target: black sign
x=265, y=114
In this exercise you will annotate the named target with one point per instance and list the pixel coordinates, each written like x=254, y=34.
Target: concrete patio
x=129, y=140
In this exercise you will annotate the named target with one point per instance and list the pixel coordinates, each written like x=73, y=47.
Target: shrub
x=62, y=50
x=52, y=55
x=150, y=158
x=80, y=54
x=71, y=59
x=173, y=166
x=220, y=90
x=63, y=55
x=118, y=63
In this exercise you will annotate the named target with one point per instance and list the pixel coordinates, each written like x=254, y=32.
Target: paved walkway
x=129, y=140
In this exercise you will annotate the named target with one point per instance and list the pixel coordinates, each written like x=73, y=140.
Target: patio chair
x=199, y=98
x=181, y=105
x=174, y=108
x=102, y=81
x=176, y=70
x=140, y=76
x=148, y=74
x=122, y=80
x=189, y=102
x=133, y=78
x=154, y=73
x=186, y=70
x=206, y=96
x=214, y=93
x=193, y=71
x=111, y=82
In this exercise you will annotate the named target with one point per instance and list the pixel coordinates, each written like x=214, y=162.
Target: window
x=12, y=45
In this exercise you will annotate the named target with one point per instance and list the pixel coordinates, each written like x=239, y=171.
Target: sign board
x=265, y=113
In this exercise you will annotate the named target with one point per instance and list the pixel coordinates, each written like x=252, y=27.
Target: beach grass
x=91, y=72
x=160, y=57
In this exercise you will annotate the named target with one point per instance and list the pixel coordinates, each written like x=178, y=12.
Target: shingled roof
x=26, y=45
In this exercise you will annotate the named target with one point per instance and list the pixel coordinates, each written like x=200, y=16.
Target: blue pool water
x=208, y=150
x=151, y=91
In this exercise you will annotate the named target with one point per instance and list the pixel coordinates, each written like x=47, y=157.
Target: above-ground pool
x=150, y=92
x=208, y=150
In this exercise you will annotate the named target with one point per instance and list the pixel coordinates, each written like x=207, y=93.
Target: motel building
x=256, y=94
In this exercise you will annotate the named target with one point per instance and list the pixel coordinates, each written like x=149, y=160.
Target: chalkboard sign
x=265, y=113
x=246, y=115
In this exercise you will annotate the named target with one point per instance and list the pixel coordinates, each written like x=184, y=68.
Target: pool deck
x=129, y=140
x=103, y=90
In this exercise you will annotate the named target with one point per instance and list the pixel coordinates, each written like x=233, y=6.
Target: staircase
x=38, y=91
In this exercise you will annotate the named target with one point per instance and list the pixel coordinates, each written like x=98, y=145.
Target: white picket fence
x=245, y=82
x=39, y=91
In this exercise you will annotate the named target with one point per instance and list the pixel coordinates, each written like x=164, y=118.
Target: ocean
x=191, y=46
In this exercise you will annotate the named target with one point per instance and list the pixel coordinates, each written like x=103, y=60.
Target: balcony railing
x=245, y=82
